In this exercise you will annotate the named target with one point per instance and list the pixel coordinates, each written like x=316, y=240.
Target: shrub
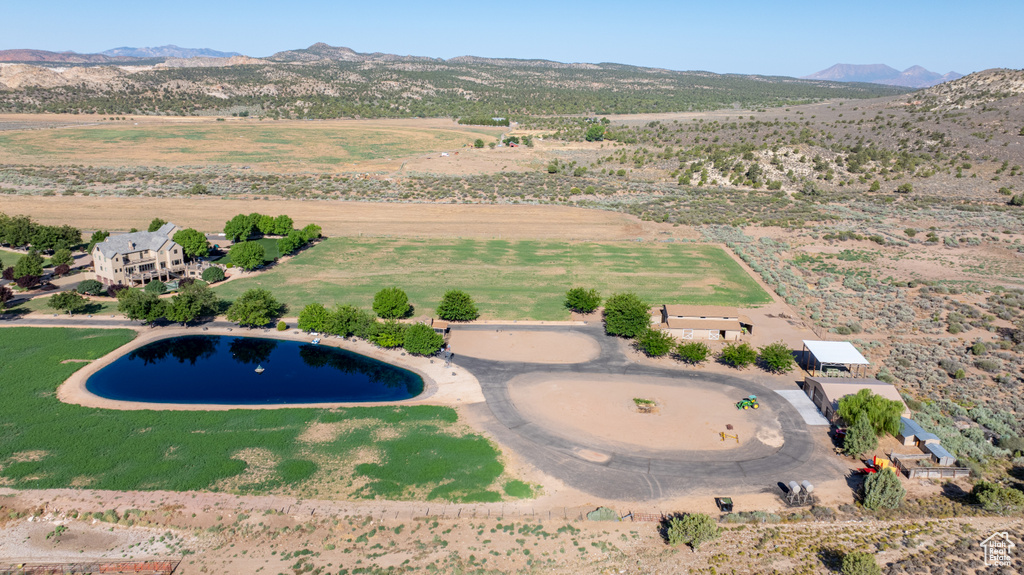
x=156, y=287
x=979, y=348
x=582, y=300
x=777, y=357
x=655, y=342
x=62, y=270
x=738, y=355
x=883, y=490
x=989, y=365
x=994, y=497
x=860, y=563
x=693, y=352
x=391, y=303
x=457, y=305
x=91, y=287
x=626, y=315
x=860, y=437
x=421, y=339
x=213, y=274
x=884, y=414
x=281, y=326
x=1012, y=443
x=692, y=529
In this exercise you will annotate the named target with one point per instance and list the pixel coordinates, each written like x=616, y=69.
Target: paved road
x=636, y=473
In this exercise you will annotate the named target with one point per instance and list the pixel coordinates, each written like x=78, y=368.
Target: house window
x=163, y=265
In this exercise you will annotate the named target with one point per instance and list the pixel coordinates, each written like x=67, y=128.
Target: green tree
x=389, y=333
x=655, y=342
x=626, y=315
x=311, y=232
x=91, y=287
x=875, y=186
x=860, y=563
x=239, y=228
x=738, y=355
x=248, y=255
x=582, y=300
x=997, y=498
x=193, y=242
x=283, y=225
x=693, y=352
x=156, y=287
x=884, y=414
x=860, y=437
x=693, y=529
x=883, y=490
x=905, y=188
x=290, y=242
x=421, y=339
x=62, y=257
x=256, y=307
x=265, y=224
x=30, y=265
x=457, y=305
x=213, y=274
x=138, y=305
x=193, y=301
x=155, y=224
x=347, y=321
x=69, y=301
x=97, y=237
x=595, y=133
x=1017, y=200
x=314, y=317
x=391, y=303
x=478, y=143
x=777, y=357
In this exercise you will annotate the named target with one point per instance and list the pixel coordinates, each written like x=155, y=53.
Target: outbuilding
x=825, y=393
x=834, y=359
x=688, y=322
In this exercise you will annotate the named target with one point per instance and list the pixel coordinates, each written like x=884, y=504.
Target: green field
x=508, y=280
x=393, y=452
x=270, y=251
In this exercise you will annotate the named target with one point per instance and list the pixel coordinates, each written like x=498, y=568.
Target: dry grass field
x=326, y=145
x=346, y=218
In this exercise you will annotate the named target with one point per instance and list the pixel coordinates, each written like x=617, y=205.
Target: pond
x=223, y=370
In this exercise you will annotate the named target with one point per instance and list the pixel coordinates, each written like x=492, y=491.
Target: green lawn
x=270, y=251
x=508, y=280
x=11, y=259
x=396, y=452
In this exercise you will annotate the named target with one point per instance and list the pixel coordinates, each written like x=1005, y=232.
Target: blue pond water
x=221, y=370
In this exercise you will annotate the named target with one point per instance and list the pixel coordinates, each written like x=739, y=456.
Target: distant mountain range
x=114, y=56
x=168, y=51
x=912, y=77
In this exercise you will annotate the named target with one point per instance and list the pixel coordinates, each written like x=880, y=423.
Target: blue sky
x=786, y=38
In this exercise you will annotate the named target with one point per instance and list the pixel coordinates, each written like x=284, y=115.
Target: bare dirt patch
x=525, y=346
x=602, y=406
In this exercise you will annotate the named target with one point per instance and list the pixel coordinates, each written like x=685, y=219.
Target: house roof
x=133, y=242
x=166, y=229
x=701, y=311
x=910, y=428
x=938, y=451
x=926, y=437
x=835, y=352
x=715, y=324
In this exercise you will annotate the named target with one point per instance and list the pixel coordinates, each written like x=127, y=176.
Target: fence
x=912, y=471
x=160, y=567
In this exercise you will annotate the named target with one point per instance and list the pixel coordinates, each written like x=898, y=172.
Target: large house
x=139, y=257
x=702, y=322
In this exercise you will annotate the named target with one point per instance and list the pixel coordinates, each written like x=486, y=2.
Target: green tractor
x=748, y=403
